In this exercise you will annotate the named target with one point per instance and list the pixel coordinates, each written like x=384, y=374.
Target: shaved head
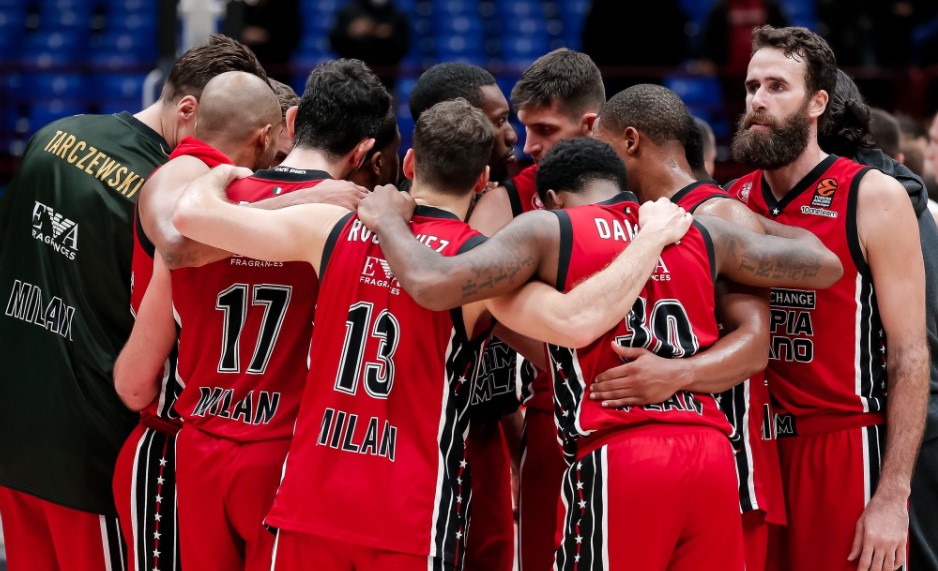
x=234, y=107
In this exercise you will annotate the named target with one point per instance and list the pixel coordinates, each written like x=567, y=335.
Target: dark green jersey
x=65, y=251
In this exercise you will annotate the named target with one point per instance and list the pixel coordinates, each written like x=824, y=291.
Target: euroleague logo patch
x=824, y=193
x=743, y=194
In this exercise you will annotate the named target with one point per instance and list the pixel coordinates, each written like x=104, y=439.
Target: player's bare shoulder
x=731, y=211
x=492, y=211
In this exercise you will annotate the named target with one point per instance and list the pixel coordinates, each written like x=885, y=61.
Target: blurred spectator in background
x=287, y=98
x=272, y=31
x=656, y=37
x=374, y=31
x=727, y=35
x=913, y=139
x=701, y=150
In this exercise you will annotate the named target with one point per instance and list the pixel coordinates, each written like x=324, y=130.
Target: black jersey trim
x=471, y=243
x=514, y=198
x=728, y=185
x=292, y=175
x=142, y=237
x=331, y=242
x=566, y=248
x=803, y=185
x=624, y=196
x=139, y=125
x=685, y=191
x=708, y=199
x=434, y=212
x=711, y=253
x=853, y=235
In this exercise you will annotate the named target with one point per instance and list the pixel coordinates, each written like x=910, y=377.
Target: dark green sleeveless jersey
x=65, y=251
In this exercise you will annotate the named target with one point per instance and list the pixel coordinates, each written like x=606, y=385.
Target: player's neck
x=663, y=176
x=428, y=196
x=783, y=179
x=153, y=118
x=311, y=159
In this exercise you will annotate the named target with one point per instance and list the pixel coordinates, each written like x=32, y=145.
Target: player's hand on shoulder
x=226, y=174
x=385, y=202
x=664, y=219
x=330, y=191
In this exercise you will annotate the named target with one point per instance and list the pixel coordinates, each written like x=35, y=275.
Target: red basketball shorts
x=490, y=545
x=225, y=489
x=42, y=536
x=542, y=468
x=295, y=551
x=145, y=495
x=828, y=479
x=655, y=497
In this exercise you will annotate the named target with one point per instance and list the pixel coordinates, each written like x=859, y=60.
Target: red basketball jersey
x=826, y=361
x=141, y=272
x=673, y=317
x=746, y=406
x=379, y=455
x=245, y=327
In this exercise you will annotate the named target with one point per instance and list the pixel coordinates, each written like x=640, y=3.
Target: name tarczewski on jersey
x=252, y=408
x=96, y=163
x=338, y=430
x=26, y=304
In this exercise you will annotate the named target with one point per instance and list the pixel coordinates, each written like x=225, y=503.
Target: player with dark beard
x=836, y=354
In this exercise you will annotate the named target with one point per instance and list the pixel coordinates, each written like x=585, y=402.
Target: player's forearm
x=439, y=282
x=907, y=401
x=732, y=359
x=529, y=348
x=179, y=251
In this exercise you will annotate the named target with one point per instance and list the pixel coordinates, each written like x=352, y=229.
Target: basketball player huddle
x=334, y=374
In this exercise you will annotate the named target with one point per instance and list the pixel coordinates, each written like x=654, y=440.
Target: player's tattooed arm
x=138, y=367
x=498, y=266
x=796, y=260
x=298, y=233
x=580, y=316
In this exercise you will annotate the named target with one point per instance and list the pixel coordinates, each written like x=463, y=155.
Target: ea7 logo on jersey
x=55, y=230
x=377, y=272
x=824, y=193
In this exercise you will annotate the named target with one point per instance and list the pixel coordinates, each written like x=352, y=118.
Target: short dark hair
x=885, y=131
x=285, y=95
x=819, y=59
x=847, y=128
x=385, y=134
x=446, y=81
x=910, y=127
x=656, y=111
x=573, y=163
x=452, y=145
x=343, y=103
x=565, y=76
x=697, y=142
x=200, y=64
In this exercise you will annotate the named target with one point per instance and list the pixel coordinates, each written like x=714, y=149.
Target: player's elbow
x=831, y=269
x=428, y=292
x=129, y=391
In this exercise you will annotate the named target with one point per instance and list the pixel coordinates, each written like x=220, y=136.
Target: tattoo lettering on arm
x=765, y=260
x=490, y=272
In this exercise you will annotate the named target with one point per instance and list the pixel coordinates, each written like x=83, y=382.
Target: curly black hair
x=573, y=163
x=447, y=81
x=657, y=112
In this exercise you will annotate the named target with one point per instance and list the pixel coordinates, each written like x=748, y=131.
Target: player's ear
x=587, y=123
x=818, y=103
x=632, y=140
x=554, y=200
x=360, y=152
x=408, y=165
x=187, y=108
x=375, y=163
x=482, y=181
x=290, y=119
x=265, y=137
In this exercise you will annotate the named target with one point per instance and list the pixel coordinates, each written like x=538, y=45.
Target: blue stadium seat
x=131, y=22
x=121, y=85
x=109, y=106
x=462, y=25
x=704, y=98
x=45, y=112
x=64, y=86
x=446, y=8
x=134, y=47
x=800, y=13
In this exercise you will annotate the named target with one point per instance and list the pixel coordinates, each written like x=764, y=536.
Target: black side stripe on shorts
x=156, y=535
x=115, y=551
x=583, y=547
